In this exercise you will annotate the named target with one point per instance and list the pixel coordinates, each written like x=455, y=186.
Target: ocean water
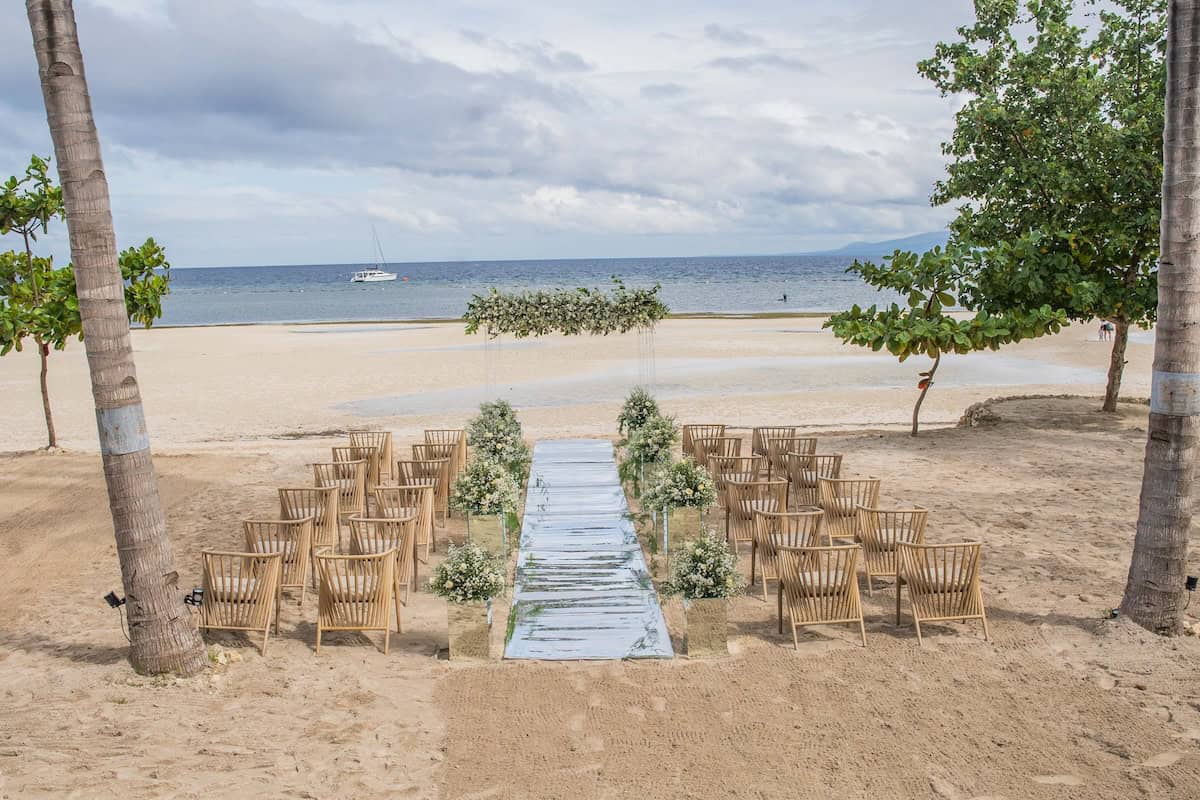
x=324, y=293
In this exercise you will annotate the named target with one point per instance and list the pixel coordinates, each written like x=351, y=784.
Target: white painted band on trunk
x=122, y=430
x=1175, y=394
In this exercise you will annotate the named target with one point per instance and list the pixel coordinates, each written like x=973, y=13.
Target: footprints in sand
x=1163, y=759
x=1058, y=780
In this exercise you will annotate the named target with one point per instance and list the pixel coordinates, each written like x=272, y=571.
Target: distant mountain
x=918, y=243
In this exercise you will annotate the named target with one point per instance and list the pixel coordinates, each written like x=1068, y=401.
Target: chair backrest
x=378, y=535
x=452, y=436
x=397, y=501
x=421, y=472
x=746, y=497
x=716, y=446
x=805, y=468
x=322, y=504
x=820, y=584
x=842, y=496
x=356, y=591
x=800, y=528
x=882, y=529
x=778, y=447
x=943, y=579
x=759, y=437
x=689, y=433
x=381, y=440
x=350, y=478
x=291, y=538
x=433, y=452
x=368, y=453
x=239, y=589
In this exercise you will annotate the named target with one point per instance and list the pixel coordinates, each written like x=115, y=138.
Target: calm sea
x=324, y=293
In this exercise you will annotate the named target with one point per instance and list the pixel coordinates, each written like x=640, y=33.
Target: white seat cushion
x=287, y=548
x=812, y=582
x=227, y=588
x=355, y=587
x=316, y=512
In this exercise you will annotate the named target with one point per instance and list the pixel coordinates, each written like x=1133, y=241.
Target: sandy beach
x=1063, y=703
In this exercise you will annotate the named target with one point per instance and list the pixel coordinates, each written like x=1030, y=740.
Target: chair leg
x=262, y=651
x=983, y=616
x=917, y=623
x=862, y=629
x=386, y=632
x=795, y=638
x=399, y=625
x=278, y=606
x=318, y=638
x=779, y=601
x=898, y=582
x=753, y=553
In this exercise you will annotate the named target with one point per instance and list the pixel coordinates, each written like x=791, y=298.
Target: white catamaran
x=378, y=273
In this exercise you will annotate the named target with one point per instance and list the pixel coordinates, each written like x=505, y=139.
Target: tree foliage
x=567, y=311
x=933, y=283
x=1056, y=158
x=37, y=299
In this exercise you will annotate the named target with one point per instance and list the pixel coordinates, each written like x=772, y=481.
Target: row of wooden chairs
x=818, y=580
x=358, y=589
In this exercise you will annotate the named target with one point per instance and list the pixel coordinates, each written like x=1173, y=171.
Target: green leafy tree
x=933, y=283
x=37, y=300
x=1056, y=159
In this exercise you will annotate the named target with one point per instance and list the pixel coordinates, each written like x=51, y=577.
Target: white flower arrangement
x=654, y=440
x=566, y=311
x=639, y=407
x=704, y=568
x=495, y=434
x=485, y=487
x=469, y=574
x=684, y=484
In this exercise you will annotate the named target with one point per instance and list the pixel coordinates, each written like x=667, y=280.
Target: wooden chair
x=804, y=469
x=800, y=528
x=747, y=497
x=292, y=539
x=943, y=583
x=427, y=473
x=727, y=446
x=778, y=447
x=381, y=535
x=356, y=593
x=403, y=501
x=350, y=478
x=759, y=437
x=881, y=530
x=382, y=441
x=689, y=433
x=370, y=454
x=744, y=468
x=819, y=586
x=241, y=590
x=456, y=437
x=441, y=453
x=322, y=505
x=840, y=498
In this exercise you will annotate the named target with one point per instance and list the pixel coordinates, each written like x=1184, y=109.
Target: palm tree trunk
x=163, y=635
x=44, y=355
x=1154, y=591
x=1116, y=364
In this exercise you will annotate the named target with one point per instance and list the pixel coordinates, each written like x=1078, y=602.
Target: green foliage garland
x=567, y=311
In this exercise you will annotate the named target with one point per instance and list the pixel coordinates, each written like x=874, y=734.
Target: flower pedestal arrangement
x=470, y=626
x=707, y=621
x=487, y=531
x=469, y=578
x=682, y=491
x=704, y=573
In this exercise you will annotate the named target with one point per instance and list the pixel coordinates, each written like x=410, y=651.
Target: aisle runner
x=582, y=590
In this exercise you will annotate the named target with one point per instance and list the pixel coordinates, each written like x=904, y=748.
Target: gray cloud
x=760, y=61
x=540, y=55
x=663, y=91
x=732, y=36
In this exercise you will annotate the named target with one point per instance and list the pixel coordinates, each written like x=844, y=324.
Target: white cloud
x=502, y=128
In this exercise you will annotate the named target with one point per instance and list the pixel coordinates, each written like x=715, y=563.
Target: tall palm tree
x=1155, y=589
x=163, y=636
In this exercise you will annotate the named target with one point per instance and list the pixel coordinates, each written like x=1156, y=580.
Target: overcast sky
x=276, y=131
